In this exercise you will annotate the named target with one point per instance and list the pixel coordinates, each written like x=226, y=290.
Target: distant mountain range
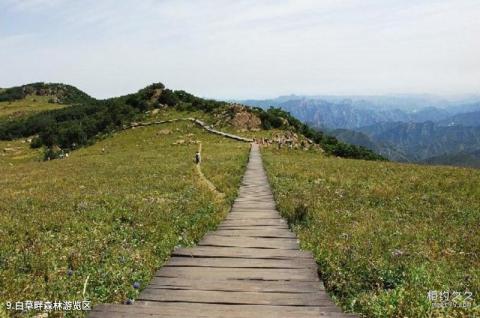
x=464, y=159
x=361, y=139
x=424, y=129
x=464, y=119
x=420, y=141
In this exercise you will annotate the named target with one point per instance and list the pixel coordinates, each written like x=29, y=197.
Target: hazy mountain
x=325, y=114
x=467, y=119
x=417, y=142
x=420, y=141
x=402, y=128
x=361, y=139
x=470, y=107
x=354, y=112
x=463, y=159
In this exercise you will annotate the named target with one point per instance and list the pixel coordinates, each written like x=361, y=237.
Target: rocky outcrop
x=239, y=117
x=243, y=119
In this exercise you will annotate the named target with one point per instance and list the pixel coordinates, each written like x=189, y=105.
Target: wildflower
x=397, y=253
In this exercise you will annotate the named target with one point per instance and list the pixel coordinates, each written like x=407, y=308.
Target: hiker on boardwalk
x=198, y=158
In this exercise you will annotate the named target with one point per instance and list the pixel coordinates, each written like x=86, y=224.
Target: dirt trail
x=204, y=179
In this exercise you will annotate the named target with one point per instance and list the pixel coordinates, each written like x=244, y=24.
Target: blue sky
x=244, y=48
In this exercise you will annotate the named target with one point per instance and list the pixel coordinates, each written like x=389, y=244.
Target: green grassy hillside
x=29, y=105
x=383, y=234
x=111, y=213
x=58, y=93
x=17, y=151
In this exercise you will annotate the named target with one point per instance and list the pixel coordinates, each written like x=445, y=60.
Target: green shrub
x=299, y=214
x=52, y=153
x=36, y=143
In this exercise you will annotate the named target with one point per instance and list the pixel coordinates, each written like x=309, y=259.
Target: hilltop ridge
x=88, y=119
x=60, y=93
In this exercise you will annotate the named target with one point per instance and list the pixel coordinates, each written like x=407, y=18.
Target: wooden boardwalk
x=250, y=267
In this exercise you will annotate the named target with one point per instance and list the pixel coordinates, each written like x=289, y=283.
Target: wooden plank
x=241, y=252
x=253, y=208
x=248, y=232
x=259, y=206
x=111, y=312
x=236, y=298
x=256, y=197
x=259, y=242
x=246, y=308
x=236, y=285
x=246, y=197
x=239, y=262
x=249, y=216
x=254, y=205
x=253, y=227
x=239, y=273
x=256, y=222
x=193, y=310
x=253, y=195
x=261, y=192
x=249, y=199
x=253, y=211
x=250, y=186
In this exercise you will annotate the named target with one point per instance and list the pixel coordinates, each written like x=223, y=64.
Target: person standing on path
x=198, y=157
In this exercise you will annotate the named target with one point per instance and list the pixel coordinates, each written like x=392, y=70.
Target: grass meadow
x=17, y=152
x=29, y=105
x=384, y=234
x=111, y=213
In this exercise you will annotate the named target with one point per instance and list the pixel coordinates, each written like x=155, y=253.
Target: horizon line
x=268, y=97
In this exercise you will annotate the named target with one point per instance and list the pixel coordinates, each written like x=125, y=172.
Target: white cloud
x=245, y=48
